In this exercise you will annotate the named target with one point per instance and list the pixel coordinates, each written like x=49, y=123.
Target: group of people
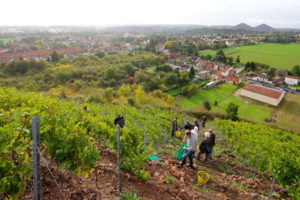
x=191, y=138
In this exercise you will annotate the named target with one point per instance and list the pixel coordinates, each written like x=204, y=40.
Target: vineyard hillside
x=79, y=148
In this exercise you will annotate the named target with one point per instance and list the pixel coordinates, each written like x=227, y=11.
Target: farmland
x=7, y=40
x=278, y=55
x=224, y=95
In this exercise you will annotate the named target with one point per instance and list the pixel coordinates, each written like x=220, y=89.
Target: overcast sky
x=277, y=13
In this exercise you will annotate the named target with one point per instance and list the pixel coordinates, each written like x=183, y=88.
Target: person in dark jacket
x=196, y=123
x=87, y=112
x=120, y=120
x=203, y=121
x=174, y=127
x=212, y=136
x=188, y=126
x=205, y=147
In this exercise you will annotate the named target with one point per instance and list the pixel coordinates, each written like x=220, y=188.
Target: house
x=261, y=77
x=203, y=74
x=225, y=72
x=41, y=54
x=291, y=80
x=262, y=94
x=218, y=75
x=230, y=43
x=233, y=79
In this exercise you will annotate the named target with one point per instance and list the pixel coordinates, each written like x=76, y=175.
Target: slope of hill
x=263, y=28
x=229, y=179
x=243, y=26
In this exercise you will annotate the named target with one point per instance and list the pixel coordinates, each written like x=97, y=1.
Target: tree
x=108, y=94
x=54, y=56
x=140, y=95
x=237, y=60
x=216, y=103
x=192, y=89
x=230, y=60
x=184, y=78
x=100, y=54
x=296, y=70
x=185, y=91
x=206, y=105
x=220, y=56
x=124, y=90
x=170, y=79
x=271, y=72
x=232, y=111
x=192, y=72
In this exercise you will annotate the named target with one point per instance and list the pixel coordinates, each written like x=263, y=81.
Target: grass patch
x=283, y=56
x=171, y=179
x=177, y=90
x=240, y=187
x=129, y=196
x=204, y=188
x=224, y=169
x=287, y=115
x=224, y=95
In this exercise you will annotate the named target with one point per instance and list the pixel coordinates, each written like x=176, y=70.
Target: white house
x=261, y=77
x=291, y=80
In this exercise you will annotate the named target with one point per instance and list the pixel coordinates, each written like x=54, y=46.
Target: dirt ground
x=103, y=182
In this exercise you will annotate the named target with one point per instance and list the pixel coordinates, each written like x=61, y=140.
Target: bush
x=131, y=101
x=185, y=90
x=216, y=103
x=143, y=174
x=206, y=105
x=232, y=111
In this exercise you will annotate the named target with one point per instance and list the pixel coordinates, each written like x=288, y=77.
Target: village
x=68, y=45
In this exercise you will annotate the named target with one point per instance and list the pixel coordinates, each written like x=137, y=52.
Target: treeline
x=22, y=67
x=110, y=71
x=221, y=57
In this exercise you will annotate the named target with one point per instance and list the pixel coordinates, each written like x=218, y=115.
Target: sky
x=276, y=13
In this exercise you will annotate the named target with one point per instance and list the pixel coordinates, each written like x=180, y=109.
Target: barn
x=262, y=94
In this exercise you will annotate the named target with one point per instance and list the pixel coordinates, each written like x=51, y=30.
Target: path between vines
x=228, y=181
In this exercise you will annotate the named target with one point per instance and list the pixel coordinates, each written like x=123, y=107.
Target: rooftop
x=292, y=77
x=276, y=94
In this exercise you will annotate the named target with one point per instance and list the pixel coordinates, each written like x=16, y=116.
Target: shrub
x=131, y=101
x=232, y=111
x=206, y=105
x=143, y=174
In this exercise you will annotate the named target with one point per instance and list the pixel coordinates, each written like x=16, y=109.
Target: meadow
x=7, y=40
x=224, y=95
x=284, y=56
x=288, y=113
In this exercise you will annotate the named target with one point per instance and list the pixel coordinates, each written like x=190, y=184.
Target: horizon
x=275, y=13
x=141, y=25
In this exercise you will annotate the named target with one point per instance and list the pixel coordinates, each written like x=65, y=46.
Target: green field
x=288, y=114
x=224, y=95
x=283, y=56
x=176, y=91
x=7, y=40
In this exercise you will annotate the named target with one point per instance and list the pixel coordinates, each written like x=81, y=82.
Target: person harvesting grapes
x=120, y=121
x=191, y=149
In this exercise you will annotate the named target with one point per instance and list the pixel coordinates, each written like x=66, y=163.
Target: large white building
x=291, y=80
x=262, y=94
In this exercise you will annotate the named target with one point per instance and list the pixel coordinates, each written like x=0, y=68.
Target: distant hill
x=259, y=28
x=263, y=28
x=243, y=26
